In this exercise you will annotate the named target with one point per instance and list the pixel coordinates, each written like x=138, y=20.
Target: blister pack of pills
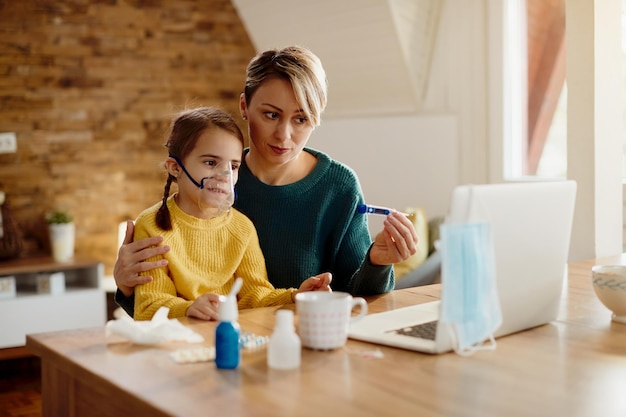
x=251, y=341
x=193, y=355
x=247, y=341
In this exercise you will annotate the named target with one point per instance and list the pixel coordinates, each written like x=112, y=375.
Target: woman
x=303, y=204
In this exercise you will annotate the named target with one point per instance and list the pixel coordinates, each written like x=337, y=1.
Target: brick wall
x=89, y=87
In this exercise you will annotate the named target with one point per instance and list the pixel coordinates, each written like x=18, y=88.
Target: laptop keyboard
x=422, y=330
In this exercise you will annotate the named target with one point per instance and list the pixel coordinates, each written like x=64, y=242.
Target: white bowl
x=609, y=284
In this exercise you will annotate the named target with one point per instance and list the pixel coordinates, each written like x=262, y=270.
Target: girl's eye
x=234, y=167
x=210, y=162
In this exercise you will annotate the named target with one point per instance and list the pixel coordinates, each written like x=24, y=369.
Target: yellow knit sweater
x=205, y=256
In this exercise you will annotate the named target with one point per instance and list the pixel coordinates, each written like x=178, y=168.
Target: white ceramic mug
x=324, y=318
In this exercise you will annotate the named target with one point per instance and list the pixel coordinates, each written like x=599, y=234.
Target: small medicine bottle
x=227, y=332
x=284, y=348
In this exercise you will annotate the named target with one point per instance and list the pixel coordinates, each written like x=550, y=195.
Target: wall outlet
x=8, y=142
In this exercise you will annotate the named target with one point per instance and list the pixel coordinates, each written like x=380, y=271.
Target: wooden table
x=574, y=366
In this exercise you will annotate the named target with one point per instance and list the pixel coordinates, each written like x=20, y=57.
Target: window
x=539, y=148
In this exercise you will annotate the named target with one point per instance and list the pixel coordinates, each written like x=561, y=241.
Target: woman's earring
x=244, y=117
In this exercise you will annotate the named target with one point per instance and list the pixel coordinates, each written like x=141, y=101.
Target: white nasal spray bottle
x=284, y=348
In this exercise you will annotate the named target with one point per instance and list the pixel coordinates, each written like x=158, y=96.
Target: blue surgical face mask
x=470, y=307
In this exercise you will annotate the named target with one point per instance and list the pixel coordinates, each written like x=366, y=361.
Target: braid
x=163, y=218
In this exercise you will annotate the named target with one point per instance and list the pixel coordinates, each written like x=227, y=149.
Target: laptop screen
x=531, y=224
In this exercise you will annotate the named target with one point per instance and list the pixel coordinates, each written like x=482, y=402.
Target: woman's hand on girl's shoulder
x=205, y=307
x=130, y=260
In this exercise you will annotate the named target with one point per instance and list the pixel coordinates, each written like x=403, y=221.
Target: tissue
x=159, y=329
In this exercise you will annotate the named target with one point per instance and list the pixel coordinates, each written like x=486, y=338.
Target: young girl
x=211, y=243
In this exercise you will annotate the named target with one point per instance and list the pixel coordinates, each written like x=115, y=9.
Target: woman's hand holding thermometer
x=398, y=239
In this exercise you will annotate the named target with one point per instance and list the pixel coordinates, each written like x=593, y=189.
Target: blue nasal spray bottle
x=227, y=333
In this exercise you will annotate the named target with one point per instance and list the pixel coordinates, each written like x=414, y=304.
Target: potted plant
x=62, y=231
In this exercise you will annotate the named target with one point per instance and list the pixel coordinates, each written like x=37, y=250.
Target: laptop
x=531, y=225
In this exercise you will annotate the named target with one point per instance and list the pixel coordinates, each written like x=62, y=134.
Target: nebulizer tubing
x=221, y=181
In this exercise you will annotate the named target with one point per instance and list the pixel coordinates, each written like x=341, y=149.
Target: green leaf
x=58, y=216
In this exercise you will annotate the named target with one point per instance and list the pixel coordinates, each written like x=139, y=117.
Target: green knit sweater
x=312, y=226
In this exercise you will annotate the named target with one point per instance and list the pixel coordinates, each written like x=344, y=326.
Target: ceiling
x=376, y=53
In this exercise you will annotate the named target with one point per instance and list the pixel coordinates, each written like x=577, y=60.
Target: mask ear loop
x=469, y=351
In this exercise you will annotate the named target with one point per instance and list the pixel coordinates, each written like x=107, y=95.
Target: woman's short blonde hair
x=301, y=67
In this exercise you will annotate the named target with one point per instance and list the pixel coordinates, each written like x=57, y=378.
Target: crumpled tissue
x=159, y=329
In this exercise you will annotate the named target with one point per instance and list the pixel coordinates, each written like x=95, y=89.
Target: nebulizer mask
x=470, y=307
x=216, y=191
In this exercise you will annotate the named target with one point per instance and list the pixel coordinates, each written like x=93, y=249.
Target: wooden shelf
x=41, y=264
x=81, y=304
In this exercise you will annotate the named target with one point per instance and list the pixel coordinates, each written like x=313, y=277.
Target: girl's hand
x=319, y=282
x=205, y=307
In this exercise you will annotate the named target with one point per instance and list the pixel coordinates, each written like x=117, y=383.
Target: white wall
x=401, y=161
